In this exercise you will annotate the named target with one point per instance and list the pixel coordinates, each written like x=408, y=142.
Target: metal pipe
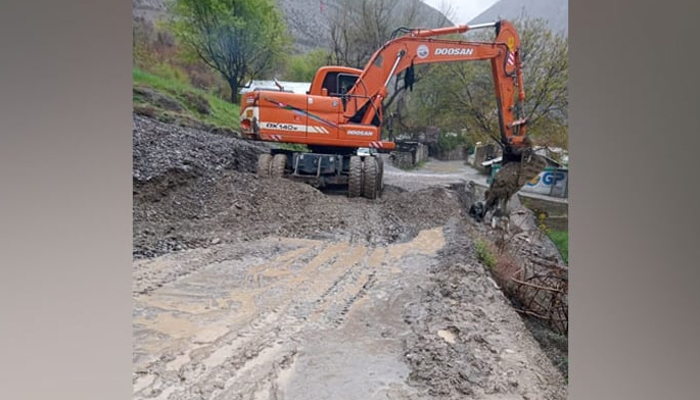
x=393, y=69
x=481, y=26
x=439, y=31
x=450, y=30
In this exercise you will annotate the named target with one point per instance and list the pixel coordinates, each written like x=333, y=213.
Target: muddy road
x=260, y=289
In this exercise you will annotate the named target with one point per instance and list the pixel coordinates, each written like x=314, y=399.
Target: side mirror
x=324, y=92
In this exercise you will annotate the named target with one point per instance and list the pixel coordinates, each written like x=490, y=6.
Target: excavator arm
x=520, y=164
x=364, y=99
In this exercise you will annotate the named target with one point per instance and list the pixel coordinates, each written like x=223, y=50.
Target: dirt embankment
x=193, y=189
x=259, y=288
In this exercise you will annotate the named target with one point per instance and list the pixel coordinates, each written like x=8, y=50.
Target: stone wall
x=458, y=153
x=402, y=159
x=408, y=159
x=482, y=153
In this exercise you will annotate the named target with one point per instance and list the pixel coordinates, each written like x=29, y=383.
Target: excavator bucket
x=509, y=179
x=531, y=165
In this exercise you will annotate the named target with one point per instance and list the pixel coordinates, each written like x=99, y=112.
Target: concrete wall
x=409, y=159
x=481, y=154
x=402, y=159
x=459, y=153
x=421, y=153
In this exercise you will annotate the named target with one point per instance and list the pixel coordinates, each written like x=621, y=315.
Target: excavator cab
x=334, y=79
x=338, y=83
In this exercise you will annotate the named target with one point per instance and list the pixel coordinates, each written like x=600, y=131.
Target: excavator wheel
x=370, y=182
x=264, y=164
x=380, y=179
x=355, y=178
x=278, y=164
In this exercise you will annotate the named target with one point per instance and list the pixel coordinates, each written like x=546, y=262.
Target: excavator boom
x=422, y=47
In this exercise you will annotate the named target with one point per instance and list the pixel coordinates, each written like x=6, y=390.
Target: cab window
x=338, y=84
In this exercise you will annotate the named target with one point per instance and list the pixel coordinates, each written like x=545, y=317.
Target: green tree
x=238, y=38
x=303, y=67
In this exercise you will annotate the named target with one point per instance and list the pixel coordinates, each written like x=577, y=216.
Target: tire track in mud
x=299, y=319
x=330, y=278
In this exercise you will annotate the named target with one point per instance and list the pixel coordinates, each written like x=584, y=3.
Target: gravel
x=194, y=188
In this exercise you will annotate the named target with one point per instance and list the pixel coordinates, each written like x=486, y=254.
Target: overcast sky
x=463, y=10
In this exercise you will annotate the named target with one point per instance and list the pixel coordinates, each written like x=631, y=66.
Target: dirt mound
x=159, y=149
x=193, y=189
x=180, y=210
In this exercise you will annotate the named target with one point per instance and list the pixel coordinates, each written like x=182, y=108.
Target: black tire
x=355, y=177
x=278, y=165
x=264, y=163
x=380, y=179
x=371, y=173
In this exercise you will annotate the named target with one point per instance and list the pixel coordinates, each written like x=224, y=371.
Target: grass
x=553, y=221
x=484, y=253
x=420, y=164
x=221, y=112
x=561, y=240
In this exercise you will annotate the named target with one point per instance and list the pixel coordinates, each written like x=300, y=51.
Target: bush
x=484, y=253
x=303, y=67
x=156, y=51
x=450, y=141
x=170, y=72
x=561, y=240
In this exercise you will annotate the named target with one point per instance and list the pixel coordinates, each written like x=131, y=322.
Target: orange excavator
x=342, y=113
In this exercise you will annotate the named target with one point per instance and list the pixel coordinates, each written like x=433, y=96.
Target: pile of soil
x=161, y=149
x=194, y=188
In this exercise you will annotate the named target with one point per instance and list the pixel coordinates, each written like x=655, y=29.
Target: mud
x=298, y=319
x=269, y=289
x=468, y=341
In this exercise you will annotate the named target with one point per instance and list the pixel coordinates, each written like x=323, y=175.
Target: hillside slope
x=555, y=12
x=307, y=20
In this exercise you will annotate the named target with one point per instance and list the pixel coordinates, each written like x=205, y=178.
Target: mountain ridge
x=554, y=12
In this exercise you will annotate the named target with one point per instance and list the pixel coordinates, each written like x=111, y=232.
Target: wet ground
x=309, y=319
x=253, y=289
